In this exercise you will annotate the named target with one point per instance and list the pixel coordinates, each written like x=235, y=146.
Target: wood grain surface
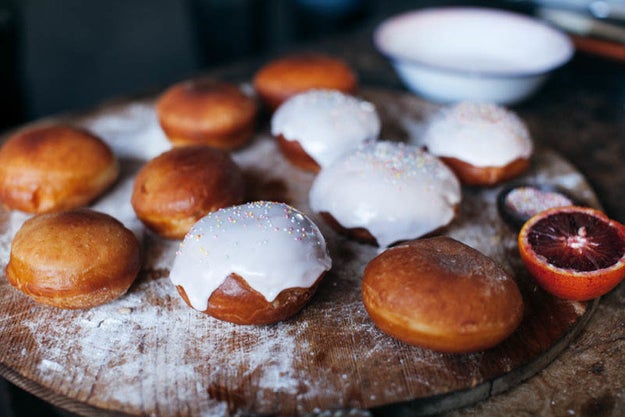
x=147, y=353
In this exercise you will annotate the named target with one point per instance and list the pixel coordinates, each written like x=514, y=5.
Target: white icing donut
x=326, y=123
x=271, y=245
x=395, y=191
x=481, y=134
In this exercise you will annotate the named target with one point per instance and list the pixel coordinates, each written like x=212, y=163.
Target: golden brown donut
x=73, y=259
x=236, y=302
x=174, y=190
x=441, y=294
x=54, y=168
x=486, y=176
x=284, y=77
x=207, y=112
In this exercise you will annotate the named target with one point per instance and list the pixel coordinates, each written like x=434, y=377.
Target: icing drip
x=481, y=134
x=326, y=123
x=395, y=191
x=271, y=245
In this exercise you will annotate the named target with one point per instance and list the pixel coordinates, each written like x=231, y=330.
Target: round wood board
x=147, y=353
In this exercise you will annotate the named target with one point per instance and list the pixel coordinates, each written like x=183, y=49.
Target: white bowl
x=454, y=54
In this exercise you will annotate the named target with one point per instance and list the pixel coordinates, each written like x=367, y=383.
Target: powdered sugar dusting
x=132, y=130
x=164, y=349
x=116, y=202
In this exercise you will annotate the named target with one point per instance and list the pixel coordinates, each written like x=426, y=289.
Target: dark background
x=64, y=55
x=61, y=55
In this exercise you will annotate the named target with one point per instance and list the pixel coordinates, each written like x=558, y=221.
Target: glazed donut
x=53, y=168
x=441, y=294
x=284, y=77
x=174, y=190
x=266, y=260
x=385, y=192
x=73, y=259
x=483, y=143
x=315, y=127
x=207, y=112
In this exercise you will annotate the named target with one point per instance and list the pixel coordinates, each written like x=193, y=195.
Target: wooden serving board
x=147, y=353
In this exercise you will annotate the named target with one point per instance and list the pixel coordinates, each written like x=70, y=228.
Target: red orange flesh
x=576, y=253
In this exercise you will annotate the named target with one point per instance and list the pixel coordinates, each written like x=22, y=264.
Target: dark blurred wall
x=65, y=55
x=75, y=52
x=10, y=93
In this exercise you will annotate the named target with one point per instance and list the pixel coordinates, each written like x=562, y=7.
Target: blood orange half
x=577, y=253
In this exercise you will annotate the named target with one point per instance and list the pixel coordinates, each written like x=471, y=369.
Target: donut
x=483, y=143
x=53, y=168
x=315, y=127
x=385, y=192
x=251, y=264
x=177, y=188
x=284, y=77
x=441, y=294
x=73, y=259
x=206, y=111
x=517, y=203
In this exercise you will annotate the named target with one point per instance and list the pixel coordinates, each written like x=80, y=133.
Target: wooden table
x=580, y=113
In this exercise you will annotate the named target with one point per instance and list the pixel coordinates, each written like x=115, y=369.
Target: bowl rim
x=383, y=25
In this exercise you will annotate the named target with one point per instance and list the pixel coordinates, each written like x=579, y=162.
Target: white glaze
x=271, y=245
x=481, y=134
x=395, y=191
x=326, y=123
